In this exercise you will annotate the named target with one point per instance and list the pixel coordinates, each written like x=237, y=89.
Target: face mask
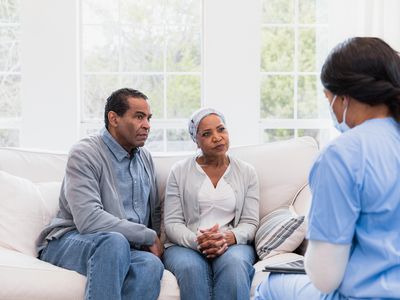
x=342, y=127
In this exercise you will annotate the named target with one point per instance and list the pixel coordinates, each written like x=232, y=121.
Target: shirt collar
x=116, y=149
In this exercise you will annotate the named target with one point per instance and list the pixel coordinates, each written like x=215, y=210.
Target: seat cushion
x=24, y=277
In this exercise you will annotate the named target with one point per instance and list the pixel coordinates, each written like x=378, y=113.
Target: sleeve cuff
x=149, y=237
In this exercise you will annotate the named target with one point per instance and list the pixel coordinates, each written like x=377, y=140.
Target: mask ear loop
x=333, y=101
x=345, y=110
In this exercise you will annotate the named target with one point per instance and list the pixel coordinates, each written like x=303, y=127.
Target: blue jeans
x=113, y=270
x=278, y=286
x=228, y=276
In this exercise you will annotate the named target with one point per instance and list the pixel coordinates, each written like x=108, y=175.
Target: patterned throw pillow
x=281, y=231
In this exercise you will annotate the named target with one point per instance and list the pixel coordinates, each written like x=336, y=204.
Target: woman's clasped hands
x=212, y=242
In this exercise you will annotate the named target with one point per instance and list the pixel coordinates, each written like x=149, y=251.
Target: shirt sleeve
x=335, y=203
x=174, y=219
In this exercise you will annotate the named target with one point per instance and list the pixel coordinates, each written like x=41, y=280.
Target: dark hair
x=366, y=69
x=118, y=102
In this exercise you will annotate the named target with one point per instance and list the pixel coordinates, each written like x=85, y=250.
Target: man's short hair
x=118, y=102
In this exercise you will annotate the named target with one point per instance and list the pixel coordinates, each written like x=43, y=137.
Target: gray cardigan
x=181, y=210
x=89, y=200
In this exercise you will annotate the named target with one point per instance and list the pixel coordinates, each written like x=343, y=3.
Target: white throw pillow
x=25, y=208
x=281, y=231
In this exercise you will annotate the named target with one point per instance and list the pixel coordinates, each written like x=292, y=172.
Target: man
x=109, y=219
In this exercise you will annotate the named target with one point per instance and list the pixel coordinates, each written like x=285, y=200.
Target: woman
x=211, y=216
x=354, y=240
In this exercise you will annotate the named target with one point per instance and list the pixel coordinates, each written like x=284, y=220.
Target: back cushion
x=282, y=169
x=37, y=166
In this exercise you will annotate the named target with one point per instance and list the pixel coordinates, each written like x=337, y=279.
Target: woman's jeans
x=228, y=276
x=113, y=270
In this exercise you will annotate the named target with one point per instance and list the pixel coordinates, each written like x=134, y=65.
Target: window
x=10, y=73
x=292, y=104
x=150, y=45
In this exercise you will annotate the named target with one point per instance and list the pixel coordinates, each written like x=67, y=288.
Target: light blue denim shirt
x=132, y=181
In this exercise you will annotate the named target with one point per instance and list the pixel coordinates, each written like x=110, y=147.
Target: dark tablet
x=293, y=267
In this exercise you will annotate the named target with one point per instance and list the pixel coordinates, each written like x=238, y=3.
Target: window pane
x=9, y=138
x=322, y=46
x=307, y=11
x=179, y=140
x=320, y=135
x=155, y=140
x=9, y=52
x=307, y=97
x=99, y=11
x=187, y=12
x=277, y=49
x=183, y=49
x=151, y=86
x=307, y=49
x=142, y=48
x=142, y=12
x=96, y=90
x=273, y=135
x=9, y=11
x=277, y=97
x=150, y=45
x=10, y=96
x=183, y=95
x=278, y=11
x=96, y=130
x=100, y=48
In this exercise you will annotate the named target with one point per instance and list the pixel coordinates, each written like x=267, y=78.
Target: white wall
x=379, y=18
x=49, y=59
x=231, y=65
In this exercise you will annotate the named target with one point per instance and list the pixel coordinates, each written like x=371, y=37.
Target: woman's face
x=212, y=136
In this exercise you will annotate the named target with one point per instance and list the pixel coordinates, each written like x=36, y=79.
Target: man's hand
x=157, y=248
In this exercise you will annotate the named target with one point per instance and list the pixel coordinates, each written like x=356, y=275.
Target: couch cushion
x=281, y=231
x=25, y=208
x=35, y=165
x=282, y=169
x=24, y=277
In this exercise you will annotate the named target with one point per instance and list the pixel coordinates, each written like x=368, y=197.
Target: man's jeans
x=228, y=276
x=113, y=270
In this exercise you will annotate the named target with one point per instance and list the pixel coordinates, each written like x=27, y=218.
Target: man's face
x=132, y=128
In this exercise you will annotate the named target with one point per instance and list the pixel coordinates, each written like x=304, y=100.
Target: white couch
x=282, y=168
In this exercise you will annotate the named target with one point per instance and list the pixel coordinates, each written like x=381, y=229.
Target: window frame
x=13, y=123
x=162, y=123
x=295, y=123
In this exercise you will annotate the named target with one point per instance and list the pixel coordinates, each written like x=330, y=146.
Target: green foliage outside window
x=289, y=66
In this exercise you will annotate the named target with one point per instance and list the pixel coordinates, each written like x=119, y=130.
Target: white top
x=217, y=205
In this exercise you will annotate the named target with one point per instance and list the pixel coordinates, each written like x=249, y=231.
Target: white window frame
x=295, y=123
x=156, y=124
x=11, y=123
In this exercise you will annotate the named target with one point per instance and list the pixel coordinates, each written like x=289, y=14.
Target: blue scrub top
x=355, y=184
